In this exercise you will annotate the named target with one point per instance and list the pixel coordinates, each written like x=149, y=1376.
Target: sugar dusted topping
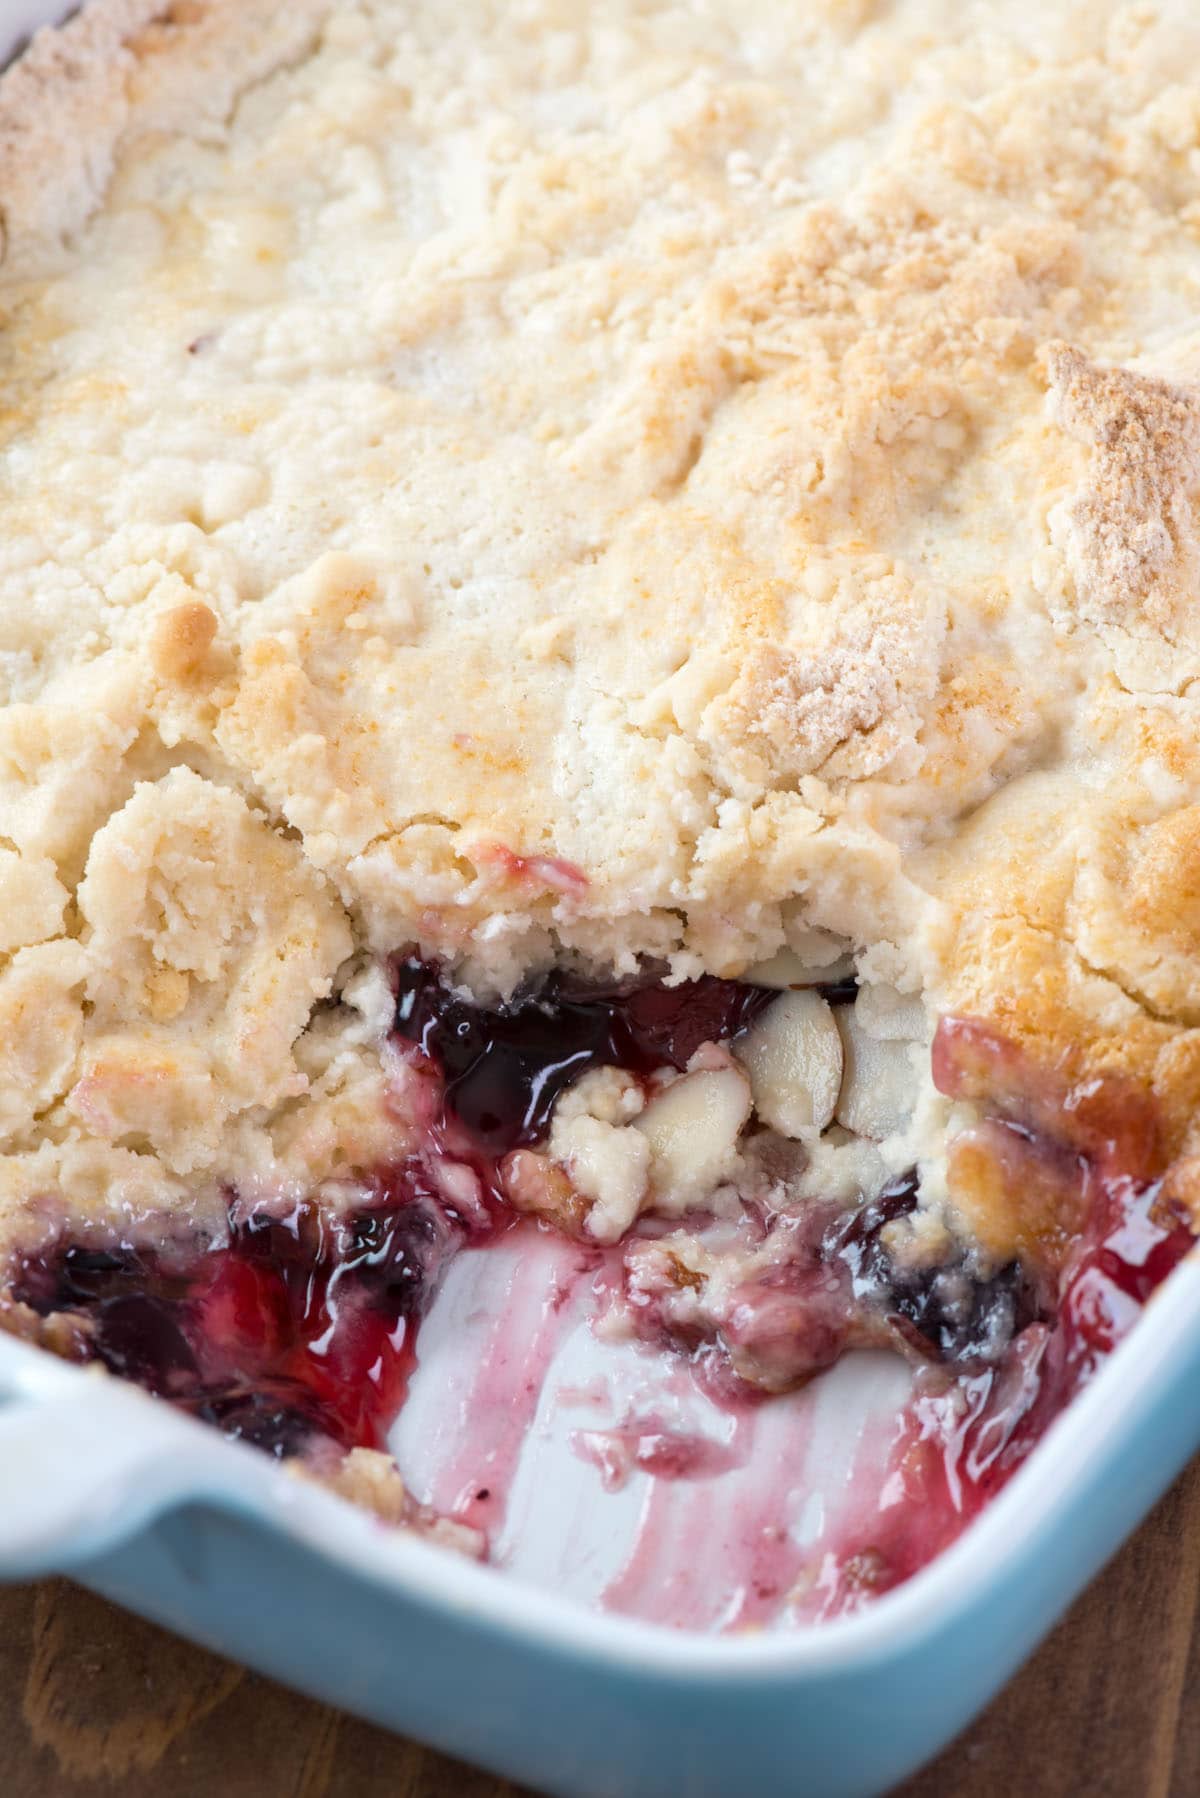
x=644, y=483
x=1129, y=534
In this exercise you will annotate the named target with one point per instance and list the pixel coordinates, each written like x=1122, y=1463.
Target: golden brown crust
x=1129, y=534
x=769, y=508
x=1071, y=948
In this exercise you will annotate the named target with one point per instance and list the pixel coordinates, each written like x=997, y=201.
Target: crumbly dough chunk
x=638, y=481
x=209, y=940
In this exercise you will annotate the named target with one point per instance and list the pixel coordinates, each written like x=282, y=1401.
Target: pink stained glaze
x=710, y=1549
x=538, y=1308
x=737, y=1553
x=658, y=1581
x=592, y=1394
x=721, y=1554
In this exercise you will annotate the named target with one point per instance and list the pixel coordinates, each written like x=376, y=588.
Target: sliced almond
x=787, y=968
x=692, y=1129
x=793, y=1055
x=879, y=1082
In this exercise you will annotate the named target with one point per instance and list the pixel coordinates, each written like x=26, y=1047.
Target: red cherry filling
x=303, y=1328
x=299, y=1328
x=962, y=1439
x=504, y=1068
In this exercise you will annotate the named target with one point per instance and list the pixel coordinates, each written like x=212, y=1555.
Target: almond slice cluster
x=806, y=1078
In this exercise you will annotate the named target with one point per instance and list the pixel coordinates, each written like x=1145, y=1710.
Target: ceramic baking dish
x=217, y=1542
x=513, y=1669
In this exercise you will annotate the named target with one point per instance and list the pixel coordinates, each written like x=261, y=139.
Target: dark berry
x=505, y=1067
x=265, y=1421
x=944, y=1310
x=141, y=1338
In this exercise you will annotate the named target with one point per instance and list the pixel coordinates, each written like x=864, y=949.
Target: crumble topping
x=708, y=493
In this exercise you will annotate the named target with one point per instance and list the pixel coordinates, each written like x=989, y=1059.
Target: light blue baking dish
x=219, y=1543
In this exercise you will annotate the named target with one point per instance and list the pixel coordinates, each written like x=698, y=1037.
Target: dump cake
x=597, y=627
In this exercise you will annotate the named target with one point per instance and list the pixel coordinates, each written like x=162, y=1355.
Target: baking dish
x=229, y=1549
x=212, y=1540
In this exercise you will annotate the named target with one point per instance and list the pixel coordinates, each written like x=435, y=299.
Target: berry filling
x=961, y=1440
x=944, y=1313
x=301, y=1329
x=298, y=1330
x=297, y=1333
x=504, y=1069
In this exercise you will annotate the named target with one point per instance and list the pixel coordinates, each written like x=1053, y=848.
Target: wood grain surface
x=93, y=1701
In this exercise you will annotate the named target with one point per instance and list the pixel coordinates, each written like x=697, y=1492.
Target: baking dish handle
x=85, y=1460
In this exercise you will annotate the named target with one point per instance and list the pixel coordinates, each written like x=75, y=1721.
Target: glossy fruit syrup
x=301, y=1328
x=962, y=1438
x=504, y=1069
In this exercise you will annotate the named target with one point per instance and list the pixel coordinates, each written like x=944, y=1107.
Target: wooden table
x=93, y=1702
